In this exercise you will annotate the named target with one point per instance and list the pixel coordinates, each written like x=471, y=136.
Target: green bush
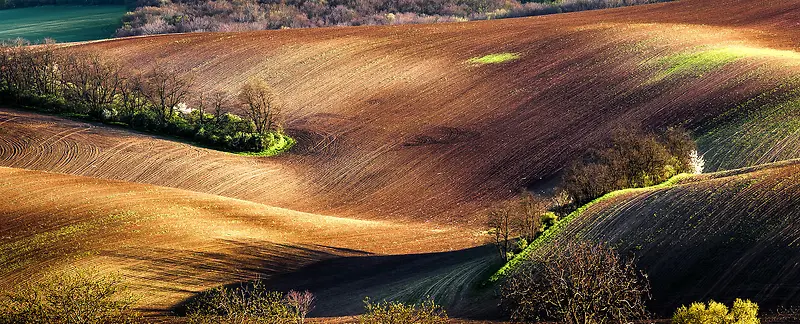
x=78, y=298
x=387, y=312
x=241, y=305
x=548, y=220
x=742, y=312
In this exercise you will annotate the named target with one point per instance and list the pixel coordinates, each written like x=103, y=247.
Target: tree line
x=160, y=100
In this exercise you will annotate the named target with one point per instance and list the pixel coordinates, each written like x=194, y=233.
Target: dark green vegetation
x=83, y=85
x=61, y=23
x=70, y=298
x=7, y=4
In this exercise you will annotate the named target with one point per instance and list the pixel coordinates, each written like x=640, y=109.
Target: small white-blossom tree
x=696, y=162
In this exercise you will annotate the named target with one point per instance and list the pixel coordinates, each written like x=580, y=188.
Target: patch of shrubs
x=254, y=304
x=579, y=282
x=742, y=312
x=522, y=221
x=70, y=298
x=392, y=312
x=82, y=84
x=630, y=160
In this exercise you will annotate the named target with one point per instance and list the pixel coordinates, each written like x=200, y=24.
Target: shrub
x=255, y=304
x=71, y=298
x=387, y=312
x=579, y=283
x=631, y=160
x=742, y=312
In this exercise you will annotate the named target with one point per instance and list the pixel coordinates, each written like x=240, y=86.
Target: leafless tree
x=531, y=210
x=164, y=89
x=560, y=199
x=501, y=227
x=92, y=80
x=301, y=302
x=131, y=96
x=220, y=102
x=578, y=283
x=260, y=104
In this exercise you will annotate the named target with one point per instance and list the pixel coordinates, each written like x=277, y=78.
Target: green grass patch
x=494, y=58
x=279, y=143
x=755, y=133
x=62, y=23
x=551, y=233
x=696, y=64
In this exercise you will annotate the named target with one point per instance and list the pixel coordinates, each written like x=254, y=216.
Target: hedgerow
x=85, y=86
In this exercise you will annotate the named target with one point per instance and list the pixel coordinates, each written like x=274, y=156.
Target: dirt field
x=403, y=144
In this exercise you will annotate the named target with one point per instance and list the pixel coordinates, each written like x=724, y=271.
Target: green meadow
x=62, y=23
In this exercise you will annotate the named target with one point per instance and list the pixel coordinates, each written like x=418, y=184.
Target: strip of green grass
x=62, y=23
x=494, y=58
x=280, y=143
x=551, y=233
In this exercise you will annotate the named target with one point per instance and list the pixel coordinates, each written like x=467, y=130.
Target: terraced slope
x=169, y=243
x=719, y=236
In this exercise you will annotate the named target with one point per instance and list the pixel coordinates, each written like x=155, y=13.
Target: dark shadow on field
x=453, y=279
x=235, y=261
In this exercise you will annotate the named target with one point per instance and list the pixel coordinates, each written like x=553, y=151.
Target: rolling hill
x=719, y=236
x=406, y=134
x=169, y=244
x=386, y=113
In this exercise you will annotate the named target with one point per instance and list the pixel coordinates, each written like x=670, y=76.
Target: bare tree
x=92, y=80
x=131, y=94
x=301, y=302
x=165, y=89
x=220, y=102
x=501, y=226
x=531, y=210
x=260, y=105
x=578, y=283
x=560, y=199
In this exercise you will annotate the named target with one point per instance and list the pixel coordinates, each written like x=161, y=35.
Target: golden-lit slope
x=169, y=243
x=394, y=121
x=719, y=236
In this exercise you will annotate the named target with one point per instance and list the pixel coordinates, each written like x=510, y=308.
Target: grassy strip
x=279, y=143
x=551, y=233
x=494, y=58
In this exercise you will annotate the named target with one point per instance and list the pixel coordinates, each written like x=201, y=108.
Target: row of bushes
x=78, y=297
x=159, y=17
x=582, y=283
x=83, y=84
